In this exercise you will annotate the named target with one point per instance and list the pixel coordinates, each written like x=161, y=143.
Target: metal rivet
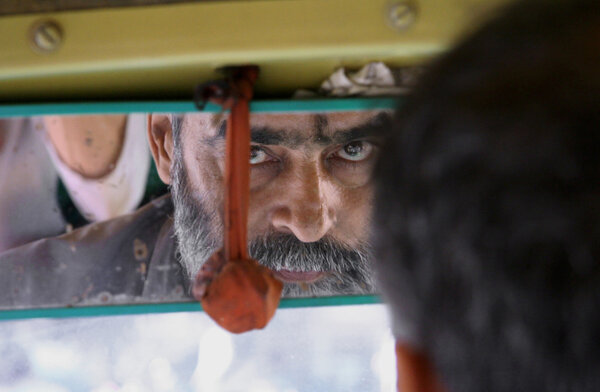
x=402, y=15
x=46, y=36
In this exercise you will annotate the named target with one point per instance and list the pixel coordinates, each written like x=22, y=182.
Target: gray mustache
x=285, y=251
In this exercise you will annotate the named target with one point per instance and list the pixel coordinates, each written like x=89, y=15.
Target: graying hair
x=176, y=124
x=196, y=241
x=348, y=269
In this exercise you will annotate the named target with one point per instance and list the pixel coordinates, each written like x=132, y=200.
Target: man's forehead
x=311, y=122
x=300, y=124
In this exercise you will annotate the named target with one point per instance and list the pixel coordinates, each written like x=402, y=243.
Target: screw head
x=46, y=36
x=402, y=14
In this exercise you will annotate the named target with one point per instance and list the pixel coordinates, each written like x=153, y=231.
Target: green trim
x=329, y=301
x=119, y=310
x=274, y=106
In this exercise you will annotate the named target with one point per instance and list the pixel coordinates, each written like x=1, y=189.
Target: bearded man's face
x=310, y=195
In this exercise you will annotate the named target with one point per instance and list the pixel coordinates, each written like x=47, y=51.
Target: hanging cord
x=236, y=291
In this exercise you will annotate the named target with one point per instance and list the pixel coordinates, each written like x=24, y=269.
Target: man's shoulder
x=122, y=236
x=146, y=220
x=112, y=257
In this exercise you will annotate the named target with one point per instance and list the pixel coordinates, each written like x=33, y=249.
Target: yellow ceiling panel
x=159, y=52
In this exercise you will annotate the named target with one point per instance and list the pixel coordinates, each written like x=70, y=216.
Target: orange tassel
x=236, y=291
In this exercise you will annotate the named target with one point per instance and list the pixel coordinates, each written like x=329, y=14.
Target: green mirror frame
x=258, y=106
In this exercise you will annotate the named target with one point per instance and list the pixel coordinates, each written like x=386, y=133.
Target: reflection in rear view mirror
x=115, y=214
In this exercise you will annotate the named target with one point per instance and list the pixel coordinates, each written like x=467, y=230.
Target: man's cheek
x=351, y=175
x=258, y=214
x=263, y=176
x=354, y=216
x=204, y=173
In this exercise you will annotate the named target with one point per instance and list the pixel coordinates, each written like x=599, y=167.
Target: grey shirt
x=123, y=260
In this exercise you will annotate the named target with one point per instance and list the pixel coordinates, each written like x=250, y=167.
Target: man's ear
x=160, y=138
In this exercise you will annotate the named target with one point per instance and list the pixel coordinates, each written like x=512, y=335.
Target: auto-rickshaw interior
x=119, y=183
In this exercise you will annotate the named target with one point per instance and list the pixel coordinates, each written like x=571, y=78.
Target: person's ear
x=160, y=138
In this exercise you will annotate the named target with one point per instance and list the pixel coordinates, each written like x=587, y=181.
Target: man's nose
x=305, y=208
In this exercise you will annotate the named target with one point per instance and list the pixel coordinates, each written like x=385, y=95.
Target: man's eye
x=355, y=151
x=258, y=155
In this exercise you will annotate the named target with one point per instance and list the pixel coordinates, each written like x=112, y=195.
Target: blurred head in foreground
x=488, y=206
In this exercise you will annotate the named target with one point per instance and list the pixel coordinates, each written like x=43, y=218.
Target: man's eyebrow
x=222, y=130
x=265, y=135
x=260, y=135
x=374, y=127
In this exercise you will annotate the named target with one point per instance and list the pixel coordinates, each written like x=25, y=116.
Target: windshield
x=343, y=348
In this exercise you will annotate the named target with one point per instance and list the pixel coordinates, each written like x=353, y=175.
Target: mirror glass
x=124, y=208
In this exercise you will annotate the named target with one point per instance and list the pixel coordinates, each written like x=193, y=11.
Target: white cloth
x=29, y=170
x=120, y=191
x=374, y=79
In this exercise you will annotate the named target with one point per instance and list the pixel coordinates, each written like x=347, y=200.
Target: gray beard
x=348, y=269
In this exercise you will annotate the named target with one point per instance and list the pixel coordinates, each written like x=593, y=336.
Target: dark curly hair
x=487, y=224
